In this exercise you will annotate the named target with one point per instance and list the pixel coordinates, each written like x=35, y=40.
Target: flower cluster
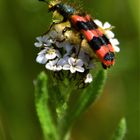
x=60, y=52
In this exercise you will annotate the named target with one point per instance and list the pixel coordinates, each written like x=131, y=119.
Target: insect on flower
x=59, y=49
x=100, y=39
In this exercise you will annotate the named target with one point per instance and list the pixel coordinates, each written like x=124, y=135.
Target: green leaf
x=91, y=94
x=42, y=108
x=87, y=97
x=120, y=131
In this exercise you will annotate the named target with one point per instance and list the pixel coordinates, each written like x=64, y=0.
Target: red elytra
x=95, y=31
x=102, y=52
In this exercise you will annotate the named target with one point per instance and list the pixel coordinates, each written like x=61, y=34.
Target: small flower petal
x=41, y=59
x=63, y=61
x=79, y=69
x=45, y=38
x=98, y=22
x=50, y=56
x=58, y=68
x=39, y=38
x=109, y=34
x=116, y=48
x=106, y=25
x=72, y=69
x=48, y=43
x=38, y=44
x=79, y=62
x=51, y=65
x=71, y=61
x=43, y=51
x=88, y=78
x=114, y=41
x=66, y=67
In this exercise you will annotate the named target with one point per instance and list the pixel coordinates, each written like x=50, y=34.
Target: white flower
x=39, y=43
x=74, y=65
x=110, y=35
x=43, y=40
x=52, y=53
x=47, y=54
x=115, y=44
x=88, y=78
x=98, y=22
x=63, y=61
x=106, y=27
x=41, y=56
x=52, y=65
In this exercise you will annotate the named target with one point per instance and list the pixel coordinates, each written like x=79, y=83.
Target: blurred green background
x=20, y=22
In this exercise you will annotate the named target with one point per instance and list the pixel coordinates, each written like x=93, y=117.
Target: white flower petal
x=79, y=69
x=45, y=38
x=63, y=61
x=52, y=53
x=72, y=69
x=41, y=59
x=116, y=48
x=71, y=61
x=49, y=66
x=88, y=78
x=109, y=34
x=79, y=62
x=54, y=68
x=98, y=22
x=43, y=51
x=54, y=62
x=48, y=43
x=50, y=56
x=42, y=40
x=68, y=47
x=107, y=25
x=58, y=68
x=66, y=67
x=39, y=38
x=115, y=41
x=38, y=44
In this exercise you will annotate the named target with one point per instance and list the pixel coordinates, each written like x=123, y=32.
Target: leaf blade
x=42, y=108
x=120, y=131
x=87, y=97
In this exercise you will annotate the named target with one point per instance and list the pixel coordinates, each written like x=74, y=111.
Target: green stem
x=67, y=91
